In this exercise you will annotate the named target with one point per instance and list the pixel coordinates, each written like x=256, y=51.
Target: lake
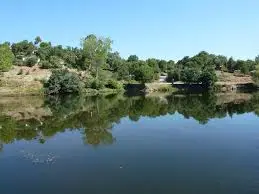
x=183, y=144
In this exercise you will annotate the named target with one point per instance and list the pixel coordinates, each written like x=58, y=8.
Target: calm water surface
x=196, y=144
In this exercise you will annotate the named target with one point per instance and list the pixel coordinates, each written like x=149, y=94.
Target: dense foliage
x=63, y=82
x=95, y=56
x=6, y=57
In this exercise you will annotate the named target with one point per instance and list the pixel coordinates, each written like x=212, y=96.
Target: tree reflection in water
x=96, y=116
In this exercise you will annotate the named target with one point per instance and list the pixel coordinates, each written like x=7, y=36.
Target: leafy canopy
x=95, y=52
x=6, y=57
x=63, y=82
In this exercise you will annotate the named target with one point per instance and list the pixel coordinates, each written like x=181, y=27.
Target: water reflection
x=31, y=118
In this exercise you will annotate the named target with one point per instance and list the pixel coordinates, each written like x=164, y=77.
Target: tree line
x=95, y=56
x=96, y=116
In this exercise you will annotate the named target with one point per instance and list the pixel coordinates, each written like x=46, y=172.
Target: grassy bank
x=159, y=87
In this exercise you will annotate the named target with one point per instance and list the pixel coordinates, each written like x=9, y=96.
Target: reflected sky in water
x=117, y=144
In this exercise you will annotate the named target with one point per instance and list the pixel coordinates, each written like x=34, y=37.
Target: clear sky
x=168, y=29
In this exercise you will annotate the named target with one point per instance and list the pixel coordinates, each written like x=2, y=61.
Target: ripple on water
x=39, y=158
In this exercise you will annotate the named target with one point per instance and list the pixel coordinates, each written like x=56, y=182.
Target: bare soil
x=23, y=80
x=225, y=78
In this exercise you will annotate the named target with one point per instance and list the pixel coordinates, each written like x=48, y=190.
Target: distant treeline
x=97, y=58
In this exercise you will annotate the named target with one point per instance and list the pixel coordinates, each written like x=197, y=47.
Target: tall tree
x=114, y=61
x=6, y=57
x=37, y=40
x=257, y=59
x=220, y=61
x=133, y=58
x=231, y=64
x=95, y=52
x=162, y=65
x=44, y=51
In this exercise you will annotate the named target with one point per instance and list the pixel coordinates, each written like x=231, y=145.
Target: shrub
x=31, y=61
x=18, y=62
x=97, y=84
x=53, y=63
x=45, y=64
x=94, y=83
x=62, y=82
x=113, y=84
x=56, y=62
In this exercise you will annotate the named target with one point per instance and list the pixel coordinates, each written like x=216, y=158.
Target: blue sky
x=166, y=29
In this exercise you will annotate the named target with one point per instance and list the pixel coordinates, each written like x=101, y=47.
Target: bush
x=56, y=62
x=31, y=61
x=94, y=83
x=45, y=65
x=97, y=84
x=18, y=62
x=62, y=82
x=114, y=84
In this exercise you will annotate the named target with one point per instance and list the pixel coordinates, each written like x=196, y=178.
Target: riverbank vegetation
x=37, y=118
x=94, y=66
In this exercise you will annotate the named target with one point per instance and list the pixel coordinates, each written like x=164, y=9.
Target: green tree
x=190, y=75
x=114, y=61
x=45, y=64
x=95, y=52
x=208, y=77
x=37, y=40
x=257, y=59
x=70, y=58
x=31, y=61
x=173, y=75
x=123, y=72
x=162, y=65
x=23, y=48
x=6, y=57
x=220, y=61
x=231, y=64
x=56, y=62
x=153, y=63
x=144, y=74
x=44, y=51
x=63, y=82
x=133, y=58
x=170, y=65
